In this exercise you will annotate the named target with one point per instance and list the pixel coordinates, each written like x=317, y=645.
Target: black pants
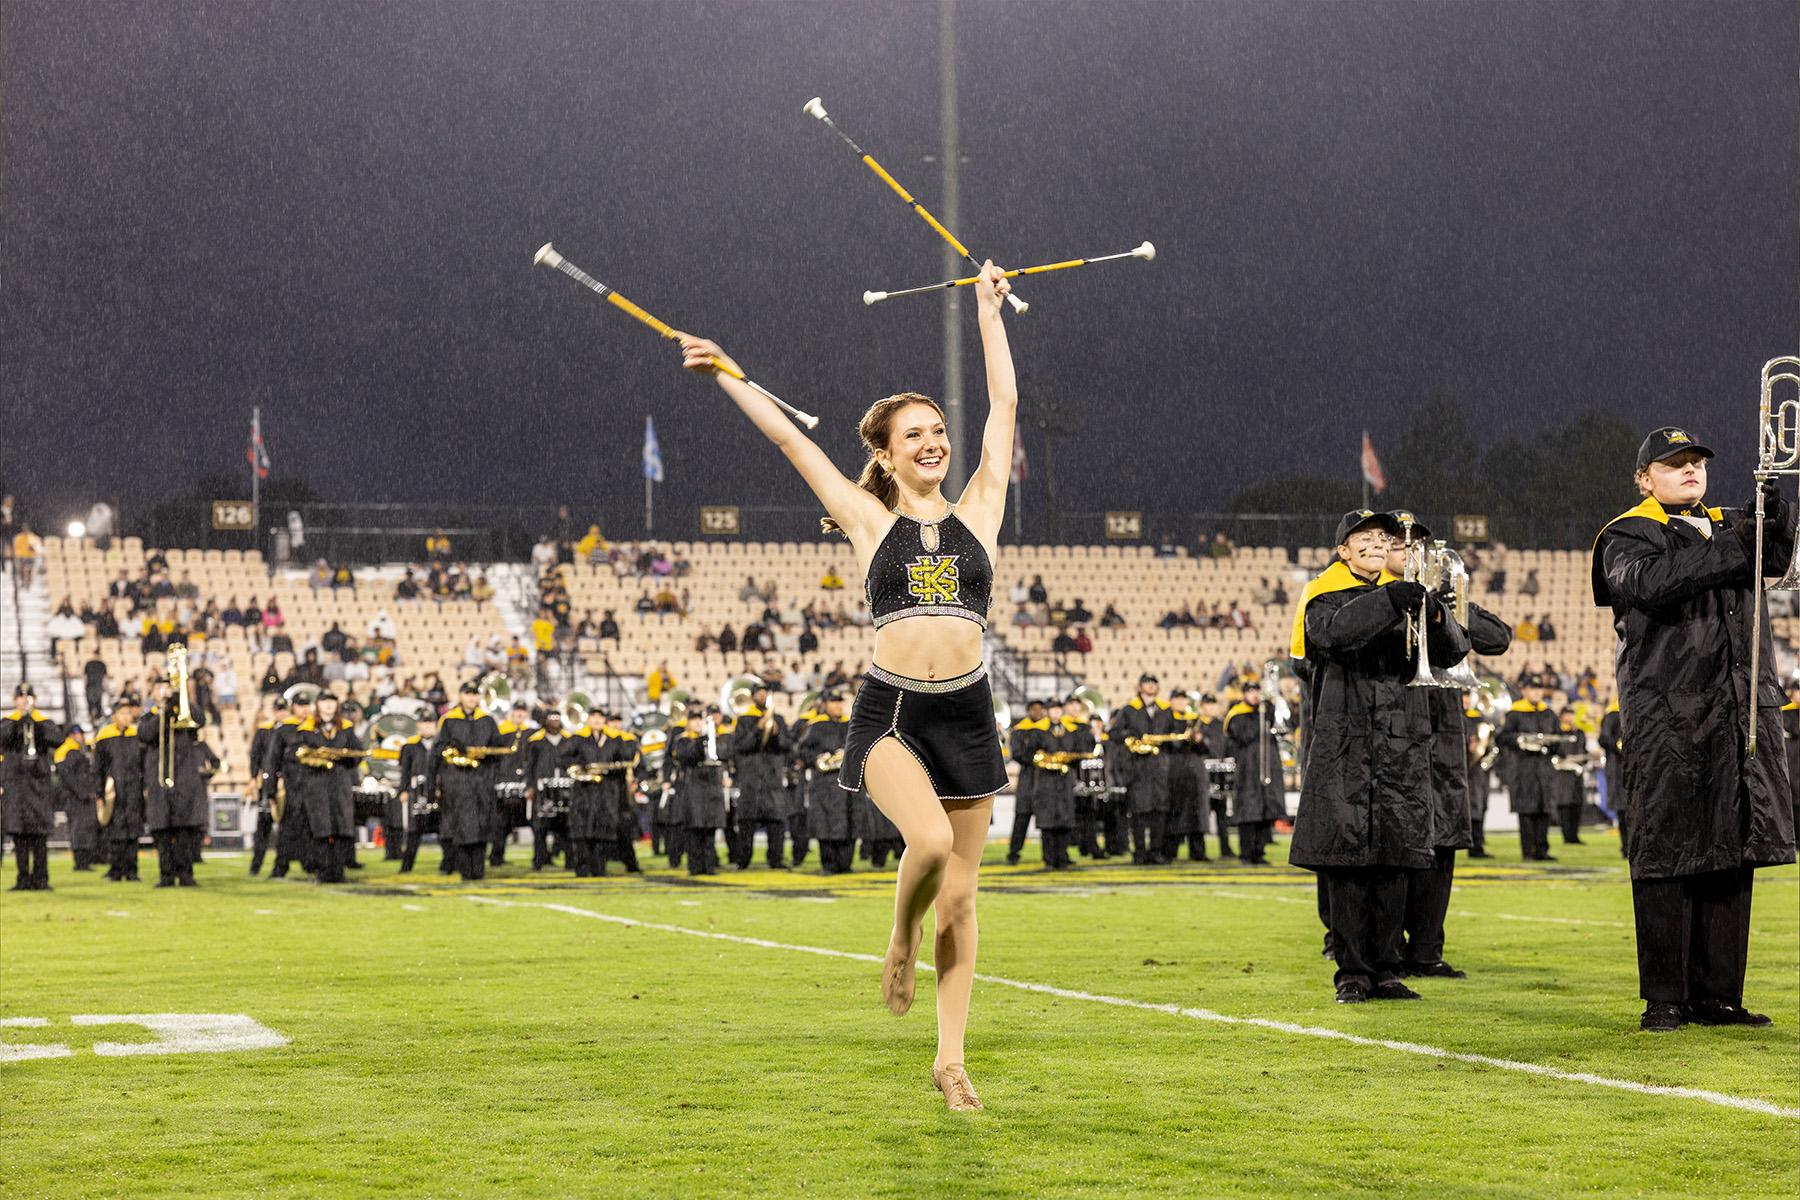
x=1693, y=936
x=835, y=855
x=1323, y=888
x=1478, y=833
x=701, y=845
x=32, y=851
x=471, y=860
x=588, y=857
x=1534, y=836
x=1221, y=817
x=1115, y=821
x=259, y=841
x=1367, y=907
x=800, y=831
x=1087, y=827
x=548, y=836
x=1149, y=835
x=745, y=850
x=330, y=853
x=667, y=839
x=172, y=862
x=1021, y=828
x=1056, y=848
x=625, y=849
x=1254, y=840
x=123, y=856
x=1570, y=816
x=1427, y=903
x=196, y=843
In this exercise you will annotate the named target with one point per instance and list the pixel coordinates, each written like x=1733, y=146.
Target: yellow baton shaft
x=917, y=207
x=661, y=327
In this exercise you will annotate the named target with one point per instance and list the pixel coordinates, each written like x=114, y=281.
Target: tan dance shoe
x=959, y=1093
x=898, y=981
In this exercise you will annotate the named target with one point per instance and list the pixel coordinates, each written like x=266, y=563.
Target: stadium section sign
x=234, y=514
x=1124, y=526
x=1469, y=527
x=720, y=520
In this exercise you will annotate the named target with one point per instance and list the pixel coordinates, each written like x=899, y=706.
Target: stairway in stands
x=24, y=621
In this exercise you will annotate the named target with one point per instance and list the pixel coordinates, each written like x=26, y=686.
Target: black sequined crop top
x=929, y=569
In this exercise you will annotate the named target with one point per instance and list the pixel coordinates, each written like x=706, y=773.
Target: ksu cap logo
x=1676, y=435
x=1405, y=518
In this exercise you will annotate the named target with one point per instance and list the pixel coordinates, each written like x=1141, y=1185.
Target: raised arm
x=983, y=503
x=857, y=512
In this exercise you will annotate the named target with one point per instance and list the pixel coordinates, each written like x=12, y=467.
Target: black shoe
x=21, y=886
x=1352, y=991
x=1660, y=1017
x=1393, y=989
x=1012, y=860
x=1479, y=854
x=187, y=881
x=353, y=866
x=1574, y=841
x=1546, y=858
x=165, y=883
x=1439, y=969
x=1717, y=1012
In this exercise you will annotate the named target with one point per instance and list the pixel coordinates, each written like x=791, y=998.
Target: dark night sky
x=330, y=208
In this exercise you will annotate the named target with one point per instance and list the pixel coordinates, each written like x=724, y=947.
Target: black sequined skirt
x=946, y=724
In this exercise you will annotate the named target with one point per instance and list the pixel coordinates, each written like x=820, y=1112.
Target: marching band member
x=818, y=751
x=1259, y=793
x=1477, y=750
x=760, y=752
x=510, y=779
x=1790, y=728
x=1525, y=768
x=1187, y=780
x=28, y=742
x=1209, y=729
x=593, y=809
x=259, y=754
x=1027, y=737
x=1428, y=888
x=699, y=774
x=668, y=823
x=622, y=746
x=281, y=782
x=325, y=787
x=119, y=768
x=464, y=780
x=1091, y=789
x=1568, y=781
x=1705, y=813
x=420, y=806
x=176, y=767
x=1067, y=738
x=547, y=790
x=76, y=788
x=1365, y=804
x=1143, y=770
x=1612, y=731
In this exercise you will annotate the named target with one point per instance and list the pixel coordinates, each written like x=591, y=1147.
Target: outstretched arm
x=857, y=513
x=983, y=503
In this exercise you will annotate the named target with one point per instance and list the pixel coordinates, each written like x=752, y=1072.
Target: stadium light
x=77, y=529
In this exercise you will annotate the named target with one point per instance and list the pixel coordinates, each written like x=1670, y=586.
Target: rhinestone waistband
x=907, y=683
x=932, y=610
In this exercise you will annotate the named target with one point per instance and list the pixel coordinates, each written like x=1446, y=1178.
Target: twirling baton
x=1145, y=252
x=817, y=109
x=548, y=257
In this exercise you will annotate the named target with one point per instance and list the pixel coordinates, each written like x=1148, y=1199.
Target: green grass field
x=445, y=1040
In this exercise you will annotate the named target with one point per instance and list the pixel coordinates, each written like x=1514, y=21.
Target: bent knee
x=932, y=848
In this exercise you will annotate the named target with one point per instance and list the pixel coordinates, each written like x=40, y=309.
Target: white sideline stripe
x=1748, y=1104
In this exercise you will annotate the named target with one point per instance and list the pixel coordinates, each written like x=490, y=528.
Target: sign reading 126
x=233, y=514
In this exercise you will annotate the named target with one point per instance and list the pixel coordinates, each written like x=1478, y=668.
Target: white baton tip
x=872, y=297
x=1145, y=252
x=1019, y=306
x=815, y=107
x=546, y=256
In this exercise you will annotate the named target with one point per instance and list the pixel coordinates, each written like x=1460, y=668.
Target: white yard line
x=1746, y=1103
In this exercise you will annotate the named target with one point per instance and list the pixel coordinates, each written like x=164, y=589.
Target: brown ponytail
x=873, y=429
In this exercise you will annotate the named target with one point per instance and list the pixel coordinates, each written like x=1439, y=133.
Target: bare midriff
x=929, y=647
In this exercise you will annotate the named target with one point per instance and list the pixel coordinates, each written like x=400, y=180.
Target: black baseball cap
x=1147, y=677
x=1402, y=516
x=1667, y=442
x=24, y=689
x=468, y=687
x=1357, y=518
x=1208, y=698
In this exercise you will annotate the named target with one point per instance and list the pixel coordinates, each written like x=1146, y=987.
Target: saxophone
x=1152, y=743
x=1057, y=762
x=831, y=760
x=326, y=758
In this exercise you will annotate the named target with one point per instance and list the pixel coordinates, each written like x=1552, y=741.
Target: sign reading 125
x=720, y=520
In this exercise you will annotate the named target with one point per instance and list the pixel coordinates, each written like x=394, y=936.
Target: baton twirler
x=548, y=257
x=817, y=109
x=1145, y=252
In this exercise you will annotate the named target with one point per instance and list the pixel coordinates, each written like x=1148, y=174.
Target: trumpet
x=1778, y=436
x=1058, y=762
x=327, y=758
x=833, y=760
x=595, y=772
x=473, y=756
x=1537, y=743
x=1152, y=743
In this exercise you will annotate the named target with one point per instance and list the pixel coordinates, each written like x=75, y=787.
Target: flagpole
x=649, y=525
x=1017, y=536
x=255, y=472
x=1361, y=470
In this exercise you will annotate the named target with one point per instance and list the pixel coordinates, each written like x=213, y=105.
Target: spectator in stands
x=343, y=577
x=187, y=589
x=271, y=614
x=543, y=632
x=160, y=587
x=1262, y=594
x=407, y=590
x=1280, y=599
x=858, y=616
x=659, y=680
x=382, y=626
x=609, y=628
x=155, y=636
x=334, y=639
x=793, y=680
x=1059, y=615
x=437, y=546
x=94, y=676
x=667, y=603
x=1110, y=619
x=1546, y=629
x=481, y=591
x=1079, y=614
x=1022, y=618
x=105, y=624
x=155, y=563
x=646, y=604
x=1038, y=593
x=271, y=682
x=831, y=581
x=1531, y=586
x=120, y=588
x=435, y=693
x=26, y=547
x=225, y=683
x=1170, y=620
x=308, y=670
x=809, y=641
x=518, y=661
x=460, y=586
x=1019, y=594
x=1527, y=630
x=837, y=677
x=1237, y=618
x=1165, y=545
x=591, y=545
x=319, y=576
x=1221, y=546
x=1083, y=643
x=1062, y=644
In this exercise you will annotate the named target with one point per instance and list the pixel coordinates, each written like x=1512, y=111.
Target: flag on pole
x=1021, y=466
x=653, y=467
x=258, y=454
x=1371, y=466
